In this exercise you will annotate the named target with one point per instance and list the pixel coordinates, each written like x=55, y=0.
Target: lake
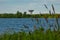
x=17, y=24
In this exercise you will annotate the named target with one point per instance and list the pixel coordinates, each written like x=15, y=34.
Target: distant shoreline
x=24, y=15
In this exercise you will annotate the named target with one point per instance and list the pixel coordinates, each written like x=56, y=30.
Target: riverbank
x=24, y=15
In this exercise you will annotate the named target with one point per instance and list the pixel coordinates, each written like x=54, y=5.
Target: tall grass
x=36, y=35
x=56, y=18
x=53, y=8
x=53, y=15
x=47, y=8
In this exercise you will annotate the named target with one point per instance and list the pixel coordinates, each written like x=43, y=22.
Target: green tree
x=19, y=14
x=24, y=15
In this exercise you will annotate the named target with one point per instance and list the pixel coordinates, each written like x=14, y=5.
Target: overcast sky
x=11, y=6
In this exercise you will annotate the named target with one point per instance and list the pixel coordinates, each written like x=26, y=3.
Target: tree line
x=26, y=15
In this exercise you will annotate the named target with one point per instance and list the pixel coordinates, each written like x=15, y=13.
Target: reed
x=46, y=16
x=47, y=8
x=53, y=15
x=57, y=24
x=53, y=8
x=36, y=35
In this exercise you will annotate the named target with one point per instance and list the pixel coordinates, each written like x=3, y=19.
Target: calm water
x=17, y=24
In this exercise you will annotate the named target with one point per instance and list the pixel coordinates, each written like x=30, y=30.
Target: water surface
x=17, y=24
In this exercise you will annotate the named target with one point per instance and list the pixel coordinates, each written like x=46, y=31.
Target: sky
x=12, y=6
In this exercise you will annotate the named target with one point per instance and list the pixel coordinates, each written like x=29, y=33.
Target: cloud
x=3, y=0
x=25, y=5
x=54, y=0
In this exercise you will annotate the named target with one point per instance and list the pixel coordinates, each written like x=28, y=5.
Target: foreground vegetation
x=39, y=34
